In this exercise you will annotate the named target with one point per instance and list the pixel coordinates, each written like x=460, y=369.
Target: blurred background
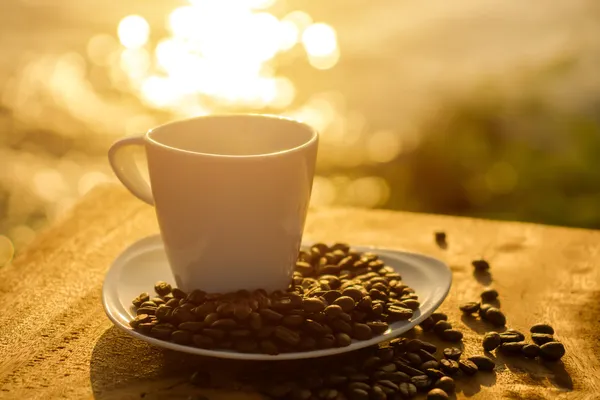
x=476, y=108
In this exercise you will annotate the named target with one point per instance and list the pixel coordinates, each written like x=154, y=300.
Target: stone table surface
x=56, y=342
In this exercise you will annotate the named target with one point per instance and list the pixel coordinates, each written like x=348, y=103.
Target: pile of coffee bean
x=439, y=324
x=336, y=295
x=486, y=311
x=512, y=342
x=399, y=369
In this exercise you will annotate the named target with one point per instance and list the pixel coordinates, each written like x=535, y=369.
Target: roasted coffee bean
x=162, y=288
x=541, y=338
x=192, y=326
x=331, y=295
x=148, y=303
x=388, y=386
x=211, y=318
x=512, y=348
x=143, y=297
x=426, y=356
x=313, y=305
x=217, y=334
x=414, y=345
x=361, y=332
x=307, y=343
x=358, y=394
x=292, y=321
x=378, y=327
x=358, y=377
x=241, y=311
x=139, y=319
x=542, y=328
x=452, y=353
x=240, y=333
x=365, y=304
x=246, y=345
x=451, y=335
x=427, y=324
x=446, y=384
x=483, y=363
x=371, y=362
x=437, y=394
x=422, y=382
x=511, y=336
x=434, y=373
x=158, y=301
x=265, y=332
x=480, y=265
x=329, y=270
x=173, y=303
x=345, y=302
x=411, y=304
x=396, y=376
x=449, y=366
x=341, y=326
x=407, y=369
x=178, y=293
x=181, y=337
x=495, y=316
x=441, y=326
x=314, y=328
x=164, y=313
x=470, y=307
x=468, y=367
x=205, y=309
x=162, y=331
x=255, y=321
x=287, y=336
x=268, y=347
x=491, y=340
x=483, y=309
x=440, y=239
x=531, y=350
x=378, y=310
x=183, y=314
x=389, y=367
x=333, y=311
x=407, y=390
x=342, y=339
x=301, y=394
x=399, y=313
x=359, y=385
x=224, y=324
x=489, y=295
x=146, y=310
x=377, y=393
x=552, y=351
x=270, y=315
x=328, y=394
x=386, y=353
x=305, y=268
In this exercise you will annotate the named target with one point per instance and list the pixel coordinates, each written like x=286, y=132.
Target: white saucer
x=144, y=263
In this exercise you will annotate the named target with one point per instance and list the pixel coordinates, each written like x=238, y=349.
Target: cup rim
x=313, y=138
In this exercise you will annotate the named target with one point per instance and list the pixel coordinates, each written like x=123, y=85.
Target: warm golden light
x=319, y=40
x=133, y=31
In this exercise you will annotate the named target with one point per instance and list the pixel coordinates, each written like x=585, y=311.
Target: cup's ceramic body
x=231, y=194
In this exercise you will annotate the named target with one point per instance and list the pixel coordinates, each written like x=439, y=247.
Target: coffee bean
x=146, y=327
x=192, y=326
x=434, y=373
x=183, y=314
x=541, y=338
x=313, y=305
x=304, y=268
x=378, y=310
x=407, y=390
x=441, y=326
x=255, y=321
x=399, y=313
x=146, y=310
x=438, y=316
x=328, y=394
x=446, y=384
x=265, y=332
x=387, y=384
x=480, y=265
x=452, y=353
x=407, y=369
x=440, y=239
x=358, y=394
x=489, y=295
x=181, y=337
x=451, y=335
x=178, y=293
x=396, y=377
x=470, y=307
x=341, y=326
x=491, y=340
x=241, y=311
x=162, y=288
x=542, y=328
x=386, y=353
x=511, y=336
x=437, y=394
x=246, y=345
x=512, y=348
x=268, y=347
x=483, y=363
x=361, y=332
x=314, y=328
x=449, y=366
x=342, y=339
x=173, y=303
x=307, y=343
x=413, y=345
x=164, y=313
x=411, y=304
x=143, y=297
x=216, y=334
x=389, y=367
x=495, y=316
x=552, y=351
x=224, y=324
x=270, y=315
x=333, y=311
x=148, y=303
x=468, y=367
x=378, y=327
x=287, y=336
x=292, y=321
x=205, y=309
x=162, y=331
x=483, y=309
x=421, y=382
x=430, y=364
x=426, y=356
x=427, y=324
x=359, y=385
x=345, y=302
x=240, y=333
x=139, y=319
x=531, y=350
x=158, y=301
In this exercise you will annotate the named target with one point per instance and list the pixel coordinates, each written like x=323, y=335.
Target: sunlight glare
x=133, y=31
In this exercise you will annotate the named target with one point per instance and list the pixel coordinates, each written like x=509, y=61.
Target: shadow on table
x=123, y=367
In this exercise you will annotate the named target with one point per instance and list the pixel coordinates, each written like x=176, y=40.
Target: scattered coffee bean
x=451, y=335
x=552, y=351
x=483, y=309
x=162, y=288
x=491, y=341
x=450, y=367
x=440, y=239
x=480, y=265
x=495, y=316
x=181, y=337
x=542, y=328
x=437, y=394
x=438, y=316
x=446, y=384
x=469, y=307
x=143, y=297
x=452, y=353
x=489, y=295
x=541, y=338
x=483, y=363
x=512, y=348
x=468, y=367
x=512, y=335
x=531, y=350
x=421, y=382
x=441, y=326
x=432, y=364
x=407, y=390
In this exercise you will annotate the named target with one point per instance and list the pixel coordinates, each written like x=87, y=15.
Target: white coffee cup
x=231, y=194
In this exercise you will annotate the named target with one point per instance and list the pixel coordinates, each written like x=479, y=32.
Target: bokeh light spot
x=133, y=31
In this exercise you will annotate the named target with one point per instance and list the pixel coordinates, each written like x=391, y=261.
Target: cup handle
x=124, y=167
